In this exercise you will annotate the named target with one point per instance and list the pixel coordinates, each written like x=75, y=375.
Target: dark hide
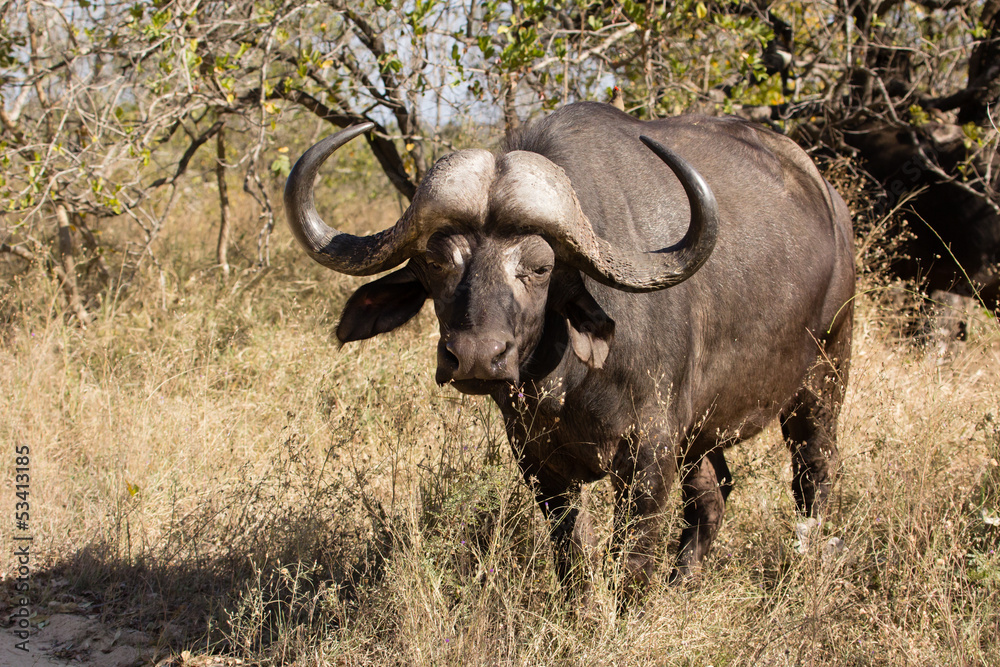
x=596, y=382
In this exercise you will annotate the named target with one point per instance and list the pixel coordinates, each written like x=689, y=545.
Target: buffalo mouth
x=478, y=387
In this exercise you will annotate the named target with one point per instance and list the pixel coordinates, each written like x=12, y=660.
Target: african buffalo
x=954, y=231
x=629, y=319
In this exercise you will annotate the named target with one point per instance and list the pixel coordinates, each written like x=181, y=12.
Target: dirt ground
x=82, y=641
x=74, y=639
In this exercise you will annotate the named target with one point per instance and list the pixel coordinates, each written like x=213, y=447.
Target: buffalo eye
x=535, y=260
x=439, y=264
x=533, y=273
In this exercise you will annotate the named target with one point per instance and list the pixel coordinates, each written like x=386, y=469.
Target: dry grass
x=208, y=468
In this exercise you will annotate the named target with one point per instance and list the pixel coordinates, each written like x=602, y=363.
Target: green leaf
x=917, y=115
x=281, y=166
x=486, y=46
x=973, y=134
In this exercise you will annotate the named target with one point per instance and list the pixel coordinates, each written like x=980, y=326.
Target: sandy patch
x=74, y=639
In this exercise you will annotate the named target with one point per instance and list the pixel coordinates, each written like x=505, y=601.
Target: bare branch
x=18, y=251
x=383, y=149
x=182, y=165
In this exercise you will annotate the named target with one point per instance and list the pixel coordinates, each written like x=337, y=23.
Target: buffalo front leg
x=570, y=527
x=642, y=482
x=705, y=486
x=558, y=496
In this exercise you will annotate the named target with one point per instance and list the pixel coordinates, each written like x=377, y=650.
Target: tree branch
x=18, y=251
x=188, y=154
x=383, y=149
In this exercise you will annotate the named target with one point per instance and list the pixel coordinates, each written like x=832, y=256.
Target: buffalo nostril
x=498, y=351
x=449, y=355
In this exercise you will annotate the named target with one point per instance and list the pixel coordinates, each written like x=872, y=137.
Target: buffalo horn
x=456, y=188
x=346, y=253
x=536, y=194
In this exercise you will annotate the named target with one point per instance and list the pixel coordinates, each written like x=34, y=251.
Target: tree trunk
x=511, y=121
x=222, y=248
x=67, y=264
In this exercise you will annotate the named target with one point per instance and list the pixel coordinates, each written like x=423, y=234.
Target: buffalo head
x=487, y=237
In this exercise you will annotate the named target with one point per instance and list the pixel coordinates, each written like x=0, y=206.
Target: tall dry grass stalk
x=208, y=468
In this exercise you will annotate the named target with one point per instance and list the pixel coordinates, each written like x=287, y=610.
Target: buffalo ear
x=590, y=329
x=381, y=306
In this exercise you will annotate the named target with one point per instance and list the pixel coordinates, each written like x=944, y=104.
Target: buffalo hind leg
x=705, y=486
x=810, y=432
x=809, y=425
